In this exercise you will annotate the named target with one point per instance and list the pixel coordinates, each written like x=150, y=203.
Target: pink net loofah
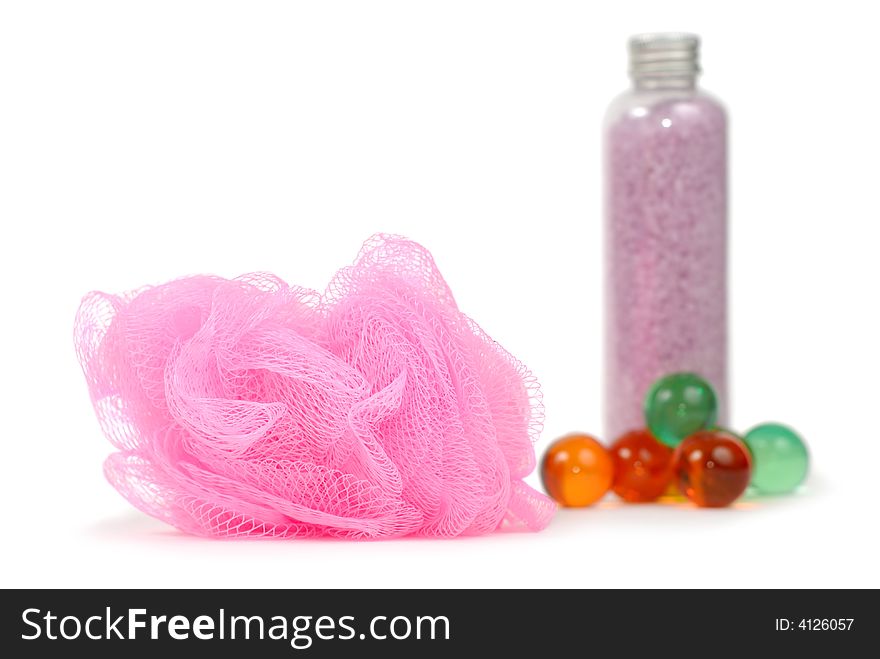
x=248, y=407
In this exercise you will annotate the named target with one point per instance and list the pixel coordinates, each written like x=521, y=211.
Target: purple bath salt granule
x=666, y=251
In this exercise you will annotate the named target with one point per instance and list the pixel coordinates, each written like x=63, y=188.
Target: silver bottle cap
x=664, y=54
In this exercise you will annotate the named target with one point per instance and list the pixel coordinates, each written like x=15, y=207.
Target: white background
x=141, y=141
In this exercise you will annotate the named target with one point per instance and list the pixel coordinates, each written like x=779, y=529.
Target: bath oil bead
x=642, y=466
x=712, y=468
x=577, y=470
x=780, y=459
x=679, y=405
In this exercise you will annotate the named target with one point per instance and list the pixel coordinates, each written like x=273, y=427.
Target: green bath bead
x=679, y=405
x=779, y=458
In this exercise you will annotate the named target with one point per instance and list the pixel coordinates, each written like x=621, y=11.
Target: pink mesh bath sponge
x=248, y=407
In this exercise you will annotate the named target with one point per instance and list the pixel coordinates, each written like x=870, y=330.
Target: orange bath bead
x=642, y=466
x=577, y=470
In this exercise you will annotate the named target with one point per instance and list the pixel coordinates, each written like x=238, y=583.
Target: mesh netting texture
x=248, y=407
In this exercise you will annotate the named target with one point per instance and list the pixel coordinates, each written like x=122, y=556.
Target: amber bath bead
x=712, y=468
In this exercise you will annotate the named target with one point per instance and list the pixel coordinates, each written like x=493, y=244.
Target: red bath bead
x=642, y=466
x=712, y=468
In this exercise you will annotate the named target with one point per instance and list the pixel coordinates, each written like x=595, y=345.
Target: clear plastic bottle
x=665, y=231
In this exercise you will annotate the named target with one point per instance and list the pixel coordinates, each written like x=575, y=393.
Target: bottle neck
x=685, y=82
